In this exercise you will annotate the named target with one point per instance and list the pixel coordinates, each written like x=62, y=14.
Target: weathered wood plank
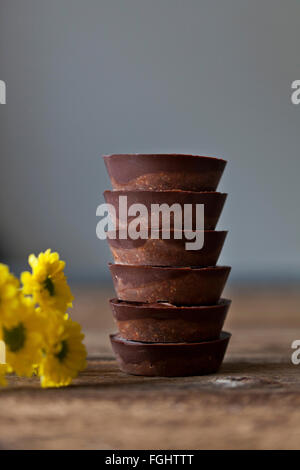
x=252, y=403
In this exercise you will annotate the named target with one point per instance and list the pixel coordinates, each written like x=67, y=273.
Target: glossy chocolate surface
x=164, y=171
x=213, y=204
x=162, y=322
x=169, y=359
x=166, y=252
x=177, y=285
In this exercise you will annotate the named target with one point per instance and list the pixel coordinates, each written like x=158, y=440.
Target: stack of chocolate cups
x=168, y=310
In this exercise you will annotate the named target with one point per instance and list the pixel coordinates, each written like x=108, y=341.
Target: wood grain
x=252, y=403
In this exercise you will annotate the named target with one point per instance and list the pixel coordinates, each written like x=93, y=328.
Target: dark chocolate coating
x=166, y=323
x=213, y=204
x=179, y=286
x=164, y=171
x=169, y=359
x=172, y=252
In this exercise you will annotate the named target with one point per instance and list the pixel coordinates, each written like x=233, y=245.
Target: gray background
x=86, y=77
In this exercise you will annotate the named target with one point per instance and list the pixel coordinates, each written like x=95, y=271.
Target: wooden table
x=252, y=403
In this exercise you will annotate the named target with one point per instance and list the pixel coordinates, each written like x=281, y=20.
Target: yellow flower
x=65, y=354
x=3, y=370
x=47, y=283
x=22, y=334
x=9, y=287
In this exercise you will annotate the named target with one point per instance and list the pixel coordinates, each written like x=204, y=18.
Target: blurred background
x=90, y=77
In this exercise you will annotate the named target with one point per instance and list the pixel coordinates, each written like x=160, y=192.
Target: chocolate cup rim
x=173, y=155
x=182, y=268
x=221, y=304
x=160, y=191
x=116, y=337
x=172, y=230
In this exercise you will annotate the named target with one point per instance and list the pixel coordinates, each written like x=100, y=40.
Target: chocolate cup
x=166, y=323
x=179, y=286
x=164, y=171
x=213, y=205
x=169, y=359
x=172, y=252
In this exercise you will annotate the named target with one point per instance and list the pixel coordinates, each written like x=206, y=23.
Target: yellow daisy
x=3, y=370
x=64, y=355
x=22, y=334
x=47, y=283
x=9, y=288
